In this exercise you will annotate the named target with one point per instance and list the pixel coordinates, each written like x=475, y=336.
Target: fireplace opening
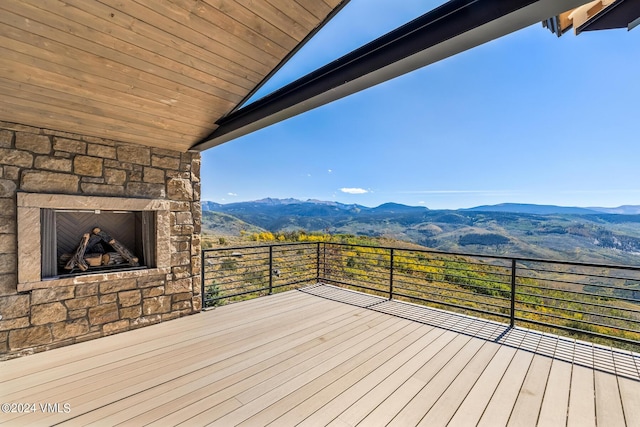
x=77, y=242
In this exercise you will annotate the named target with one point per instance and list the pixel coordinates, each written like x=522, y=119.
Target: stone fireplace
x=55, y=187
x=51, y=227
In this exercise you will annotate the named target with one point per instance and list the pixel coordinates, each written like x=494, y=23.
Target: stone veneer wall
x=62, y=312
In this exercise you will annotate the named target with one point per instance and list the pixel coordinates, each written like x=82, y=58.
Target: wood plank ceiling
x=152, y=72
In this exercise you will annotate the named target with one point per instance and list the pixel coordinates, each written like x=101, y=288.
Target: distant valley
x=600, y=235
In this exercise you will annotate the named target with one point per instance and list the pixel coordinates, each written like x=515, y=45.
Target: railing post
x=391, y=275
x=270, y=269
x=512, y=318
x=324, y=261
x=318, y=262
x=202, y=287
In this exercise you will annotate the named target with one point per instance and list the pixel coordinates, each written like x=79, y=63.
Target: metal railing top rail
x=265, y=245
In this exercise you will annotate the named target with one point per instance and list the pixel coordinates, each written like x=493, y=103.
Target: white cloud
x=330, y=170
x=232, y=194
x=354, y=190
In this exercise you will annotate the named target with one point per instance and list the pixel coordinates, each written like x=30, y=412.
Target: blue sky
x=528, y=118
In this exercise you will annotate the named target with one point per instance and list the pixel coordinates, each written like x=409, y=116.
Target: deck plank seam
x=431, y=380
x=380, y=328
x=473, y=388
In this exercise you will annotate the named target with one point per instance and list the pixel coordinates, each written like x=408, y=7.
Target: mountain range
x=312, y=204
x=610, y=235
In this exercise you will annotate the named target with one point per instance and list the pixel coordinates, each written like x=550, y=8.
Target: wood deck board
x=127, y=349
x=213, y=393
x=436, y=383
x=306, y=358
x=553, y=411
x=527, y=406
x=582, y=411
x=332, y=400
x=629, y=392
x=259, y=398
x=472, y=407
x=448, y=403
x=126, y=343
x=200, y=365
x=608, y=401
x=94, y=389
x=366, y=395
x=501, y=404
x=308, y=398
x=223, y=371
x=256, y=359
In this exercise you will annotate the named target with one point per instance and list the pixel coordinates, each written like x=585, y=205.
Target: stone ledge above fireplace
x=29, y=235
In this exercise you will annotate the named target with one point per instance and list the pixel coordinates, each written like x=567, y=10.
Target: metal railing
x=600, y=301
x=239, y=273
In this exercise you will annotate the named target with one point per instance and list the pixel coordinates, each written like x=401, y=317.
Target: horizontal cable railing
x=598, y=301
x=239, y=273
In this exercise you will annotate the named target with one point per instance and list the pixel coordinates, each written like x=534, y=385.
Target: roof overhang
x=619, y=14
x=596, y=15
x=454, y=27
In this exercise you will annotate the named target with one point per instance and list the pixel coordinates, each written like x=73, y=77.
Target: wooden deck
x=325, y=356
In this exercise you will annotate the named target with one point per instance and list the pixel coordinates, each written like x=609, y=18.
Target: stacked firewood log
x=91, y=252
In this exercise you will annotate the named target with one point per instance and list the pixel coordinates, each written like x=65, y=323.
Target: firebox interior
x=62, y=233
